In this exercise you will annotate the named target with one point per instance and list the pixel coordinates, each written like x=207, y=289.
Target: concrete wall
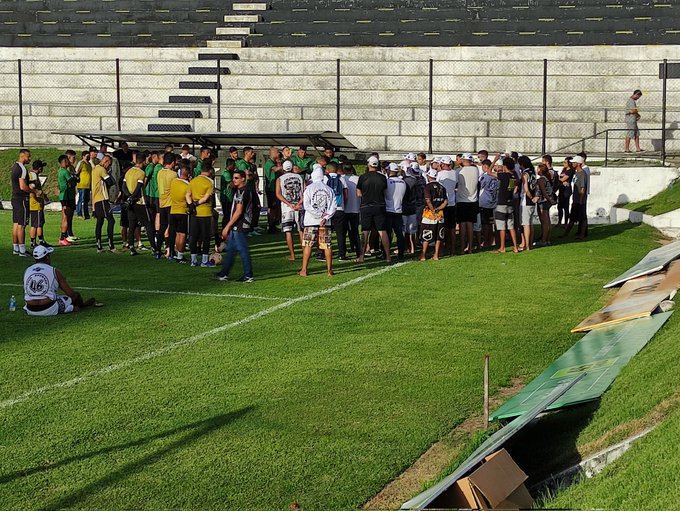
x=483, y=97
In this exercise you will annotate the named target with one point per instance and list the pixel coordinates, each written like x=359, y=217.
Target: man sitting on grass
x=41, y=283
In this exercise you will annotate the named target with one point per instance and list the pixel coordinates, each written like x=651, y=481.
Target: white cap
x=404, y=164
x=317, y=167
x=393, y=167
x=468, y=157
x=437, y=159
x=410, y=156
x=40, y=251
x=287, y=166
x=373, y=162
x=499, y=161
x=432, y=173
x=578, y=159
x=317, y=174
x=446, y=160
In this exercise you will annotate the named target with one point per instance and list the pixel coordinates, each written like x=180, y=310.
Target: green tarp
x=600, y=355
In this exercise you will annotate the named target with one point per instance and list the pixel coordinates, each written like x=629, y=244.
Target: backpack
x=531, y=180
x=336, y=185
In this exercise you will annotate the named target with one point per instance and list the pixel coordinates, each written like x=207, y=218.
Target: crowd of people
x=418, y=207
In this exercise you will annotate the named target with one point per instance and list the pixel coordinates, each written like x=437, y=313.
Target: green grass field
x=663, y=202
x=183, y=392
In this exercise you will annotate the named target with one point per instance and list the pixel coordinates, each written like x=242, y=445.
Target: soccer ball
x=216, y=258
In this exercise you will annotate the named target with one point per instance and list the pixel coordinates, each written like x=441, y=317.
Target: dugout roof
x=140, y=138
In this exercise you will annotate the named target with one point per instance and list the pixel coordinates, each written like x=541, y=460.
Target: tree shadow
x=193, y=432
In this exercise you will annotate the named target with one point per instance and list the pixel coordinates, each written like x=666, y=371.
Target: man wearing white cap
x=579, y=200
x=433, y=215
x=449, y=179
x=41, y=283
x=467, y=200
x=289, y=189
x=394, y=198
x=320, y=204
x=371, y=188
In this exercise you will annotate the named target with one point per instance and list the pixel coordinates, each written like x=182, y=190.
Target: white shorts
x=410, y=224
x=62, y=305
x=290, y=220
x=529, y=214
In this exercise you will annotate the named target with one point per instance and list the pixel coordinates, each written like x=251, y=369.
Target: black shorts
x=467, y=212
x=432, y=232
x=373, y=216
x=68, y=203
x=37, y=218
x=487, y=216
x=179, y=223
x=152, y=206
x=102, y=209
x=20, y=210
x=450, y=217
x=124, y=222
x=165, y=215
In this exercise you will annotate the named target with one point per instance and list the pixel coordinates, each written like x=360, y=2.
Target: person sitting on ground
x=41, y=283
x=433, y=215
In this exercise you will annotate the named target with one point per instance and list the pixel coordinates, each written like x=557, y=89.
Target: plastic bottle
x=12, y=303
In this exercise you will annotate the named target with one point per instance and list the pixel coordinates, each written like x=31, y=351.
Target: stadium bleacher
x=124, y=23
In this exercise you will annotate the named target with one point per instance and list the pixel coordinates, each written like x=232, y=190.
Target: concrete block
x=77, y=123
x=383, y=114
x=375, y=128
x=87, y=110
x=303, y=69
x=265, y=97
x=7, y=122
x=368, y=143
x=313, y=113
x=242, y=18
x=383, y=83
x=406, y=143
x=233, y=30
x=515, y=129
x=285, y=83
x=367, y=68
x=526, y=145
x=269, y=113
x=258, y=6
x=12, y=109
x=573, y=130
x=38, y=138
x=444, y=128
x=314, y=125
x=380, y=99
x=453, y=145
x=242, y=125
x=256, y=69
x=224, y=44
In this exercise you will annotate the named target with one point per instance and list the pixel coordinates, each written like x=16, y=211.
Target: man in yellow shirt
x=101, y=181
x=37, y=205
x=135, y=204
x=84, y=173
x=199, y=198
x=179, y=219
x=164, y=178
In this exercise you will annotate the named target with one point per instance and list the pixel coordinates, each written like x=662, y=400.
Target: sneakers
x=126, y=246
x=157, y=256
x=45, y=244
x=195, y=265
x=114, y=250
x=222, y=278
x=181, y=261
x=22, y=254
x=72, y=239
x=33, y=245
x=100, y=250
x=133, y=252
x=209, y=264
x=65, y=243
x=246, y=280
x=141, y=248
x=343, y=258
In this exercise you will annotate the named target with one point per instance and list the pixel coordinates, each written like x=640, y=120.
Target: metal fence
x=533, y=106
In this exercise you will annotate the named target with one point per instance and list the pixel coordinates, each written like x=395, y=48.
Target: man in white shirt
x=319, y=204
x=394, y=196
x=448, y=178
x=467, y=200
x=352, y=205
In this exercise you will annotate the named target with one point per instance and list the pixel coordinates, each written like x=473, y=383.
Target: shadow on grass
x=192, y=433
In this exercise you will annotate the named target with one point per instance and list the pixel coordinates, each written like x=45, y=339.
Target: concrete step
x=170, y=127
x=233, y=30
x=259, y=6
x=190, y=99
x=180, y=114
x=242, y=18
x=198, y=85
x=208, y=71
x=216, y=56
x=225, y=44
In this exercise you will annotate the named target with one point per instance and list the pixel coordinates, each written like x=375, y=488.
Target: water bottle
x=12, y=303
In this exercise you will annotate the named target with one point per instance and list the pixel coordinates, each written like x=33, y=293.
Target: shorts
x=529, y=214
x=450, y=217
x=62, y=305
x=165, y=215
x=20, y=210
x=632, y=129
x=486, y=216
x=544, y=206
x=578, y=212
x=505, y=218
x=410, y=223
x=316, y=234
x=467, y=212
x=291, y=221
x=433, y=232
x=152, y=206
x=373, y=216
x=68, y=203
x=179, y=222
x=102, y=209
x=124, y=222
x=37, y=218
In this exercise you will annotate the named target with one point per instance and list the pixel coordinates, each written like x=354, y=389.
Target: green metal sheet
x=600, y=355
x=655, y=260
x=492, y=444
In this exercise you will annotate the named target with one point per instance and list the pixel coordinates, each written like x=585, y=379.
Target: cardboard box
x=498, y=483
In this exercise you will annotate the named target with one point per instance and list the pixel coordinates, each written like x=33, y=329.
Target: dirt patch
x=656, y=415
x=437, y=457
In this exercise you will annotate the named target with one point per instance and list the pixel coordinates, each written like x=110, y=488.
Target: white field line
x=26, y=396
x=164, y=292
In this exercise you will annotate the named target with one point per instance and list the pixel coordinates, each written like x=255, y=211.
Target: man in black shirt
x=20, y=204
x=235, y=233
x=123, y=154
x=504, y=214
x=371, y=188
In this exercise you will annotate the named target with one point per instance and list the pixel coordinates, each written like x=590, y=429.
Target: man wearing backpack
x=339, y=187
x=530, y=199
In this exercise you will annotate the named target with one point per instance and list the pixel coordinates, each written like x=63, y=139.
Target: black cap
x=39, y=164
x=303, y=147
x=93, y=149
x=232, y=149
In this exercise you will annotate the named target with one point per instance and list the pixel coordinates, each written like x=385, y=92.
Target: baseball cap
x=578, y=159
x=373, y=162
x=41, y=251
x=317, y=174
x=437, y=159
x=410, y=156
x=287, y=166
x=468, y=157
x=404, y=165
x=393, y=167
x=317, y=167
x=39, y=164
x=446, y=160
x=432, y=173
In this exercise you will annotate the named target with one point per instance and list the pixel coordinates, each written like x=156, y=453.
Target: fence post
x=606, y=147
x=21, y=105
x=430, y=108
x=545, y=107
x=663, y=112
x=337, y=95
x=118, y=93
x=219, y=95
